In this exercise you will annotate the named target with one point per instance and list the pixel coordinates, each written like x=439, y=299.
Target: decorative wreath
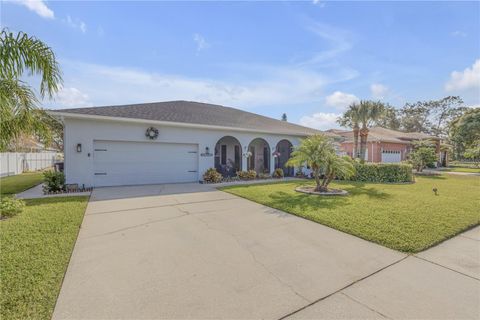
x=151, y=133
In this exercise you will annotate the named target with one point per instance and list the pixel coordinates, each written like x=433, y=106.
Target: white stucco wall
x=79, y=166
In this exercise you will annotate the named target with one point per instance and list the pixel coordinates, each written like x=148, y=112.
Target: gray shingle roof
x=388, y=135
x=196, y=113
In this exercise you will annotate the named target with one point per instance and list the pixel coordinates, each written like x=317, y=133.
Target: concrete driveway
x=190, y=251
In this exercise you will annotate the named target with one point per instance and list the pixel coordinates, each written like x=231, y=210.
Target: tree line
x=448, y=118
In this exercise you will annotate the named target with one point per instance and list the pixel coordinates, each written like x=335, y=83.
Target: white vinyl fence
x=12, y=163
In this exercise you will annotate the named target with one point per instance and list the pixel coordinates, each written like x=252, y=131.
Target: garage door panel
x=391, y=156
x=128, y=163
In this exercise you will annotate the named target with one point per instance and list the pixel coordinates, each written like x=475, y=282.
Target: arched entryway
x=259, y=159
x=228, y=156
x=283, y=152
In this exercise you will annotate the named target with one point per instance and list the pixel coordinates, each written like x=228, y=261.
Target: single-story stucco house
x=170, y=142
x=388, y=146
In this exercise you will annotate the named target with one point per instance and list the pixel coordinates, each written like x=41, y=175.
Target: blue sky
x=308, y=59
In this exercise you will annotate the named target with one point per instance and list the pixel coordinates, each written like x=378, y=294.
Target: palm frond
x=22, y=53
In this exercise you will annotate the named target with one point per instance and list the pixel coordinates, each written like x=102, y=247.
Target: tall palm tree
x=369, y=112
x=19, y=111
x=351, y=118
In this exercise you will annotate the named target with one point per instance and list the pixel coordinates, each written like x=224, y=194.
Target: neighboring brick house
x=388, y=146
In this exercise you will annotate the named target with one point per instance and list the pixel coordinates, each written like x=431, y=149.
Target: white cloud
x=378, y=91
x=458, y=33
x=76, y=24
x=341, y=100
x=320, y=3
x=320, y=121
x=200, y=42
x=273, y=86
x=466, y=79
x=37, y=6
x=338, y=41
x=72, y=98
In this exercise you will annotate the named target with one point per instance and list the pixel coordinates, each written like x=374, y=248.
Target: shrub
x=10, y=207
x=382, y=172
x=54, y=181
x=212, y=176
x=423, y=157
x=263, y=176
x=247, y=175
x=278, y=173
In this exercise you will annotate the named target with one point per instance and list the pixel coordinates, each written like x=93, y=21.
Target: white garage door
x=391, y=156
x=117, y=163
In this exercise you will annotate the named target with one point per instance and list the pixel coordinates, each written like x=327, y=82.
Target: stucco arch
x=228, y=156
x=260, y=155
x=283, y=150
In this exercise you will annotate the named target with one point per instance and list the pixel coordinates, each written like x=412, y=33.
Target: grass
x=21, y=182
x=36, y=247
x=456, y=166
x=462, y=169
x=409, y=217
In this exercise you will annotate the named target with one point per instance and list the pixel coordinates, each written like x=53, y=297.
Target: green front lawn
x=456, y=166
x=21, y=182
x=407, y=217
x=35, y=250
x=462, y=169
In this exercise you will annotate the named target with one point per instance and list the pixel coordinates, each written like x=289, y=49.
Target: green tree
x=389, y=119
x=432, y=117
x=351, y=119
x=465, y=131
x=423, y=154
x=473, y=154
x=415, y=117
x=284, y=117
x=369, y=113
x=20, y=55
x=319, y=153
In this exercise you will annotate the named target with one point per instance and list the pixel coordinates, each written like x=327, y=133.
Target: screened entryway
x=259, y=159
x=282, y=154
x=228, y=156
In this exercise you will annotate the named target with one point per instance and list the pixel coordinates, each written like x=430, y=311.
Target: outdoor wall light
x=79, y=147
x=207, y=150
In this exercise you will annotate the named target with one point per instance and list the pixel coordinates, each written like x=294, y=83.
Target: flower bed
x=211, y=176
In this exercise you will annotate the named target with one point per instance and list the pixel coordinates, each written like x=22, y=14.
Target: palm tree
x=319, y=153
x=369, y=112
x=19, y=111
x=351, y=118
x=338, y=167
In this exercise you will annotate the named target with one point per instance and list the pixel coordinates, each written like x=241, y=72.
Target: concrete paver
x=461, y=254
x=337, y=306
x=417, y=289
x=472, y=234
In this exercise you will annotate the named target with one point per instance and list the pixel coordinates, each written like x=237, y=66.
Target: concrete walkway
x=191, y=251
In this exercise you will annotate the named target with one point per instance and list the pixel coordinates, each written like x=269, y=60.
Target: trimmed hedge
x=383, y=172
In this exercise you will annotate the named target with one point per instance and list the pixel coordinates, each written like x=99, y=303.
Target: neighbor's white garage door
x=391, y=156
x=117, y=163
